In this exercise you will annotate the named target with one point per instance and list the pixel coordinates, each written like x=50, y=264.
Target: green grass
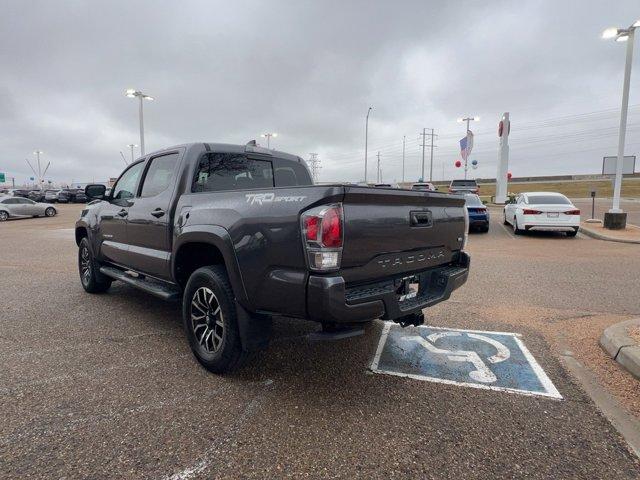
x=573, y=189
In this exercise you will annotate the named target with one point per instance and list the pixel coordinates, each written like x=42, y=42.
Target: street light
x=468, y=119
x=132, y=146
x=615, y=218
x=366, y=142
x=268, y=137
x=132, y=93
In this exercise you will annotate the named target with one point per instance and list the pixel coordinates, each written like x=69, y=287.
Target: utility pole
x=366, y=143
x=379, y=176
x=423, y=145
x=404, y=140
x=431, y=164
x=132, y=146
x=314, y=165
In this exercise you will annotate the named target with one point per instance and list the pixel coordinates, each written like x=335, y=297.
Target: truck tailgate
x=391, y=231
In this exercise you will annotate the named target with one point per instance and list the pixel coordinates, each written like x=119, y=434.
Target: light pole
x=616, y=218
x=132, y=93
x=466, y=157
x=268, y=137
x=132, y=146
x=366, y=143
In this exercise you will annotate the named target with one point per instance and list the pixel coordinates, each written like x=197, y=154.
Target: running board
x=165, y=292
x=340, y=334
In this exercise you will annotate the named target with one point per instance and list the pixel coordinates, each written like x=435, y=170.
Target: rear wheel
x=50, y=212
x=3, y=216
x=516, y=229
x=92, y=280
x=485, y=229
x=210, y=320
x=572, y=233
x=504, y=218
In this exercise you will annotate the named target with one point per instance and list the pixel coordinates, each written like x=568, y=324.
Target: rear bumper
x=330, y=300
x=551, y=228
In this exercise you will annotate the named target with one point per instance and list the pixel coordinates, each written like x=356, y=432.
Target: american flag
x=466, y=144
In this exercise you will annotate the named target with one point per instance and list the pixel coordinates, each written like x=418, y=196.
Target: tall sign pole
x=504, y=128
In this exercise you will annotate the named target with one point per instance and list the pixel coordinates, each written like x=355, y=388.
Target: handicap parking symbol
x=490, y=360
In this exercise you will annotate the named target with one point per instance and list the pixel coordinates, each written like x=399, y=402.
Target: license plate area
x=408, y=288
x=552, y=214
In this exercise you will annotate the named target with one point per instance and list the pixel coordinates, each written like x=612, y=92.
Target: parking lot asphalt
x=104, y=386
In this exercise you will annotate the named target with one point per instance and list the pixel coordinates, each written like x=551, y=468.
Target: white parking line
x=508, y=230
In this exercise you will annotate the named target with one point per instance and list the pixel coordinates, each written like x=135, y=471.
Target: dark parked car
x=36, y=195
x=20, y=193
x=241, y=233
x=79, y=196
x=478, y=213
x=423, y=187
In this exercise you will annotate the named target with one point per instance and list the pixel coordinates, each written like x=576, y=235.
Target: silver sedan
x=17, y=207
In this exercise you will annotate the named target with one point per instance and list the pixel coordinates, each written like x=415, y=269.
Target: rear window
x=289, y=173
x=463, y=183
x=473, y=201
x=548, y=200
x=231, y=171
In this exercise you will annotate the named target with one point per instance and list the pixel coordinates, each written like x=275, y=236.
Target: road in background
x=104, y=386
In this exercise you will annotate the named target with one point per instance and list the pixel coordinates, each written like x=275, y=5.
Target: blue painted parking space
x=490, y=360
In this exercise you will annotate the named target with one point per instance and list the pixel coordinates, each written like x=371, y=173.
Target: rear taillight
x=527, y=211
x=478, y=210
x=322, y=232
x=572, y=212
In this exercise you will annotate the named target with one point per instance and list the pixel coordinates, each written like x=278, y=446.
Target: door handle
x=123, y=213
x=158, y=212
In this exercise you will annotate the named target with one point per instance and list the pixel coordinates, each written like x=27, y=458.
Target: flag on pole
x=466, y=145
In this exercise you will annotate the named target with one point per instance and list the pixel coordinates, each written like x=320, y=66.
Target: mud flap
x=254, y=329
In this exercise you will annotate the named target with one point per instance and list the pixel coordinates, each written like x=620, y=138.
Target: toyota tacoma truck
x=240, y=233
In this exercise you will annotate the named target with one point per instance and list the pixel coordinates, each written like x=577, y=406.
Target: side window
x=289, y=173
x=26, y=201
x=126, y=186
x=231, y=171
x=159, y=175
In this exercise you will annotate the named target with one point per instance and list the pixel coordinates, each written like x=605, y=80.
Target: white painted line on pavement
x=508, y=230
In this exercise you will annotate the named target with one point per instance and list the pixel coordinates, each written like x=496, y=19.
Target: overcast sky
x=228, y=71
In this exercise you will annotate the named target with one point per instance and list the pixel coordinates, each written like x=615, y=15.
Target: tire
x=90, y=277
x=485, y=229
x=4, y=216
x=504, y=219
x=210, y=320
x=516, y=230
x=572, y=234
x=50, y=212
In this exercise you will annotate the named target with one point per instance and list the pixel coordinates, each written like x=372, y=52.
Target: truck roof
x=234, y=148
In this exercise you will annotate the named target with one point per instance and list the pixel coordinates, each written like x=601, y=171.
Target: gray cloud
x=228, y=71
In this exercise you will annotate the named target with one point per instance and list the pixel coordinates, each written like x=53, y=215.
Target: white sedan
x=542, y=211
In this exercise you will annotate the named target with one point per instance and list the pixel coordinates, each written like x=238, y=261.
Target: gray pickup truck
x=240, y=233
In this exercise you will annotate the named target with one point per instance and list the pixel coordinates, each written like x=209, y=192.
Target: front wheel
x=210, y=320
x=50, y=212
x=4, y=216
x=92, y=280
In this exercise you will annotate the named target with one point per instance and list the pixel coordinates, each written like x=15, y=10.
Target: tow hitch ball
x=415, y=319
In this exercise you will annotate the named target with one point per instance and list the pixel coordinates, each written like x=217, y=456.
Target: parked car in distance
x=464, y=186
x=18, y=192
x=17, y=207
x=79, y=196
x=65, y=196
x=383, y=185
x=36, y=195
x=478, y=213
x=547, y=211
x=51, y=196
x=424, y=187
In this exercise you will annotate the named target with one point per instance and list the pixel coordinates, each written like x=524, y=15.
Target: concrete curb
x=590, y=233
x=622, y=348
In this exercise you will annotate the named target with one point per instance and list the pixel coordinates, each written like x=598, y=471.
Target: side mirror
x=96, y=192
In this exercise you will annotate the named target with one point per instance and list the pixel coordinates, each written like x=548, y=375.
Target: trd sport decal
x=262, y=198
